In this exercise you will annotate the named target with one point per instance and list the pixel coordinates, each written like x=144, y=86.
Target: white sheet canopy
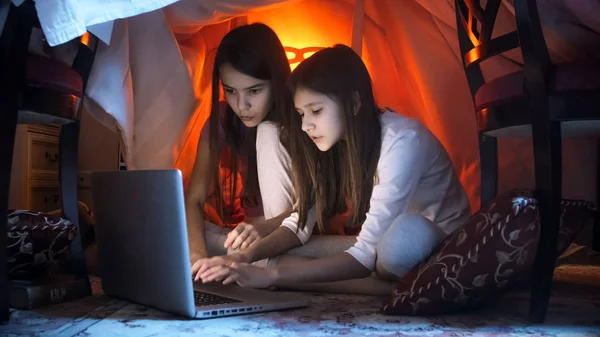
x=152, y=80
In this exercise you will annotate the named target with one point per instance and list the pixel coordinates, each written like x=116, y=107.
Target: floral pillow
x=36, y=243
x=490, y=254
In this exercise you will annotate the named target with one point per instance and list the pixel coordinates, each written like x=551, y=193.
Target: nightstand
x=34, y=183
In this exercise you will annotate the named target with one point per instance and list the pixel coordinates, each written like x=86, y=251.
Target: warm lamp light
x=297, y=55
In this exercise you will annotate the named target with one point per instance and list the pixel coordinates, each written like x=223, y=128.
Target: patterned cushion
x=36, y=243
x=490, y=254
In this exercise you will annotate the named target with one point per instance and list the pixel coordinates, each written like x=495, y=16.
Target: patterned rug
x=574, y=312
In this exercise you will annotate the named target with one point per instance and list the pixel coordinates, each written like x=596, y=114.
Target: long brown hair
x=256, y=51
x=344, y=175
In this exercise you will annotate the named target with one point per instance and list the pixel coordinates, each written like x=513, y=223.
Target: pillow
x=36, y=243
x=484, y=258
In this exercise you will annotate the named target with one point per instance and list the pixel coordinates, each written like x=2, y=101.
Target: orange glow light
x=301, y=29
x=297, y=55
x=85, y=39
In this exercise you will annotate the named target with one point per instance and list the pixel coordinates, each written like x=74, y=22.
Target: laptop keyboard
x=202, y=299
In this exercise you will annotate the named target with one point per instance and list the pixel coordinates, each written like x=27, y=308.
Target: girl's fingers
x=211, y=270
x=205, y=268
x=250, y=240
x=233, y=235
x=210, y=273
x=198, y=267
x=245, y=244
x=217, y=275
x=232, y=278
x=242, y=237
x=206, y=264
x=238, y=269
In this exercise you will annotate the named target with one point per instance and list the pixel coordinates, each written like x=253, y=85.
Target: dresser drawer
x=44, y=196
x=43, y=156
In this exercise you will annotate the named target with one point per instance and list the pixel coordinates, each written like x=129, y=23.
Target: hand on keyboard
x=202, y=265
x=246, y=275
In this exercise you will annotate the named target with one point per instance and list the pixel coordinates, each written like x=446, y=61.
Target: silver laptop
x=143, y=250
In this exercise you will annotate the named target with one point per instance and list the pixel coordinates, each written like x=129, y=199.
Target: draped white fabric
x=64, y=20
x=153, y=79
x=143, y=79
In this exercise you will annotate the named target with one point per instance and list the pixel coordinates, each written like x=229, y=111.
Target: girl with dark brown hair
x=224, y=207
x=388, y=172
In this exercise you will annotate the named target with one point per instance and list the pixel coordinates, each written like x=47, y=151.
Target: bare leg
x=215, y=237
x=407, y=242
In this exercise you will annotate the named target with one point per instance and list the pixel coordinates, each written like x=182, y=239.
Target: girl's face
x=249, y=97
x=322, y=118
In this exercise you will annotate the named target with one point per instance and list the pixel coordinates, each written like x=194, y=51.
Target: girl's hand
x=210, y=265
x=250, y=276
x=242, y=236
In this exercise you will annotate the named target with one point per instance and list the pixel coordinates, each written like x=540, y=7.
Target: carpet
x=574, y=312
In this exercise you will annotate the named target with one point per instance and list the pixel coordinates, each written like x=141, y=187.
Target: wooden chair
x=35, y=89
x=544, y=101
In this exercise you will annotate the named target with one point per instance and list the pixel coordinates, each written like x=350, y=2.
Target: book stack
x=28, y=295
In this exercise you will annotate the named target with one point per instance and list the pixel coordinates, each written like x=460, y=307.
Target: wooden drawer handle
x=55, y=199
x=52, y=159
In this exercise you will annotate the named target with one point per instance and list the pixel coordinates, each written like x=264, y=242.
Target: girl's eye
x=316, y=112
x=228, y=91
x=253, y=91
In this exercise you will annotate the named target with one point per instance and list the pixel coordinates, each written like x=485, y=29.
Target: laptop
x=143, y=250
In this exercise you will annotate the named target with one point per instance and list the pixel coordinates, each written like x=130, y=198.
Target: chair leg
x=68, y=148
x=8, y=120
x=548, y=181
x=14, y=42
x=596, y=233
x=9, y=112
x=488, y=158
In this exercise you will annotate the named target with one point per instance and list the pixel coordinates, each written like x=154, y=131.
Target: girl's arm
x=338, y=267
x=276, y=243
x=284, y=238
x=277, y=194
x=248, y=232
x=267, y=226
x=195, y=199
x=273, y=168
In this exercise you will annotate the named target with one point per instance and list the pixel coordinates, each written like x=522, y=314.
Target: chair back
x=14, y=55
x=475, y=21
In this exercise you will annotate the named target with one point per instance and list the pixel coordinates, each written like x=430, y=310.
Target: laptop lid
x=142, y=246
x=143, y=249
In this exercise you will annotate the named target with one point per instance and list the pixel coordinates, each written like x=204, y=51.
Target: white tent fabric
x=142, y=82
x=64, y=20
x=152, y=82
